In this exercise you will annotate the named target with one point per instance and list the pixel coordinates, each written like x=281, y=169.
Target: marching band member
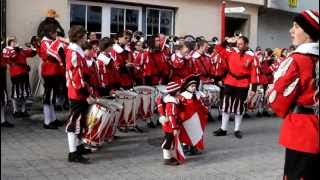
x=50, y=71
x=181, y=62
x=266, y=76
x=158, y=60
x=193, y=115
x=139, y=57
x=93, y=79
x=79, y=92
x=295, y=98
x=168, y=108
x=3, y=91
x=106, y=69
x=16, y=57
x=121, y=53
x=242, y=71
x=202, y=64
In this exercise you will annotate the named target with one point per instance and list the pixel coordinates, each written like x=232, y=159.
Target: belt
x=239, y=77
x=298, y=109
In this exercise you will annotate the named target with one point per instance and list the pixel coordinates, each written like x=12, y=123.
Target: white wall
x=273, y=29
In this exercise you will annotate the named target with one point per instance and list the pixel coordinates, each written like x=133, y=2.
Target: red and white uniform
x=242, y=69
x=203, y=66
x=294, y=85
x=193, y=115
x=266, y=72
x=93, y=80
x=182, y=66
x=220, y=65
x=171, y=113
x=57, y=50
x=138, y=59
x=106, y=70
x=17, y=60
x=50, y=65
x=159, y=65
x=121, y=57
x=76, y=73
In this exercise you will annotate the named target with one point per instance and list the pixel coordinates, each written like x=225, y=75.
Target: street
x=30, y=152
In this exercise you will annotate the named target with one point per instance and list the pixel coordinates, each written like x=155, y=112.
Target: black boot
x=266, y=113
x=185, y=148
x=82, y=150
x=220, y=132
x=77, y=158
x=58, y=123
x=50, y=126
x=7, y=124
x=238, y=134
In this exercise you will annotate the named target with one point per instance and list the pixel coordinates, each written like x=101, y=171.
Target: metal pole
x=223, y=20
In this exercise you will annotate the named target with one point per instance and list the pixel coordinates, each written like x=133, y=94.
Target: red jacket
x=171, y=113
x=50, y=65
x=121, y=58
x=77, y=73
x=17, y=60
x=219, y=64
x=182, y=66
x=55, y=49
x=138, y=59
x=106, y=70
x=160, y=62
x=94, y=80
x=242, y=69
x=294, y=85
x=203, y=66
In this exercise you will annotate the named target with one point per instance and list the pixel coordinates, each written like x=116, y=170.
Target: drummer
x=78, y=92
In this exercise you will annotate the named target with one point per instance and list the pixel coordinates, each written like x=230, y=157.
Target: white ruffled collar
x=308, y=48
x=45, y=38
x=170, y=99
x=117, y=48
x=77, y=48
x=196, y=55
x=105, y=59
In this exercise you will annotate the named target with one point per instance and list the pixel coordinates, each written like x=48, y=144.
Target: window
x=88, y=16
x=122, y=18
x=159, y=21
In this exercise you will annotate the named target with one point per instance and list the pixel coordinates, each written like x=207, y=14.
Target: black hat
x=308, y=20
x=192, y=79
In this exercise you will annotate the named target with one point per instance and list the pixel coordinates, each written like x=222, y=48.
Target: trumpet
x=138, y=36
x=237, y=33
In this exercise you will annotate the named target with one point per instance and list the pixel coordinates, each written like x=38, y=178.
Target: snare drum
x=116, y=110
x=98, y=123
x=129, y=101
x=146, y=95
x=212, y=93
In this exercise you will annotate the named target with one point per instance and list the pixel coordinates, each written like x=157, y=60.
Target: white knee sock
x=166, y=154
x=53, y=116
x=15, y=105
x=3, y=116
x=23, y=106
x=237, y=120
x=72, y=142
x=225, y=121
x=47, y=114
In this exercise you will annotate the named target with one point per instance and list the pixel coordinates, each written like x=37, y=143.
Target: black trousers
x=51, y=89
x=77, y=118
x=300, y=165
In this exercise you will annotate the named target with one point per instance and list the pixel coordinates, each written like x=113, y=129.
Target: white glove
x=162, y=119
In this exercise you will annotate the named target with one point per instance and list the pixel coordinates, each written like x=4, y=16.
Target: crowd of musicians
x=83, y=68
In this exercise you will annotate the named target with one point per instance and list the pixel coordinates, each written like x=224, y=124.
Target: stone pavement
x=30, y=152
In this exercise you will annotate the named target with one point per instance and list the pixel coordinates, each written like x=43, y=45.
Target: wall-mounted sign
x=292, y=3
x=235, y=10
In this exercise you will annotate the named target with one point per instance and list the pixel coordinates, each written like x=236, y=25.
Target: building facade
x=275, y=20
x=105, y=17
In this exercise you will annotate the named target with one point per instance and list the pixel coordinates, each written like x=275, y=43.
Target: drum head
x=211, y=87
x=144, y=89
x=125, y=94
x=162, y=89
